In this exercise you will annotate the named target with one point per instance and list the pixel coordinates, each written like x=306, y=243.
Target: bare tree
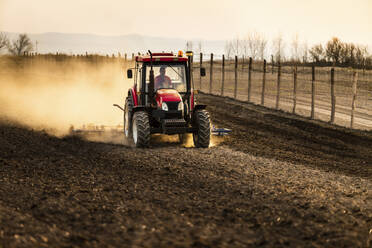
x=262, y=47
x=295, y=48
x=236, y=46
x=229, y=49
x=200, y=47
x=253, y=45
x=317, y=53
x=254, y=42
x=244, y=47
x=21, y=45
x=304, y=52
x=189, y=45
x=278, y=47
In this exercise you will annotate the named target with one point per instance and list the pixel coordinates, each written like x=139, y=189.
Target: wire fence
x=341, y=96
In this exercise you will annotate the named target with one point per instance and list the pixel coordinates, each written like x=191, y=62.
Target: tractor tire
x=141, y=129
x=128, y=118
x=203, y=134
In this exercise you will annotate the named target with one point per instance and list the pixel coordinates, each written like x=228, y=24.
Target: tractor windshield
x=168, y=77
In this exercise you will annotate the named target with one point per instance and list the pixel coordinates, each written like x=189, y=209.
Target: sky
x=314, y=20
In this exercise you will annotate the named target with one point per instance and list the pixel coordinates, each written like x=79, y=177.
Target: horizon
x=314, y=22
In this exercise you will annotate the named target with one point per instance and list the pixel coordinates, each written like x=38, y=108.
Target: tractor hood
x=167, y=95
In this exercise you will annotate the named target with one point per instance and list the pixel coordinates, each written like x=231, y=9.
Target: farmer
x=162, y=80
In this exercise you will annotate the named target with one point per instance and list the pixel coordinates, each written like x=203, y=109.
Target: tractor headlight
x=180, y=106
x=164, y=106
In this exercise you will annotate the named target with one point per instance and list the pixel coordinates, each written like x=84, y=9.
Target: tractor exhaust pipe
x=151, y=81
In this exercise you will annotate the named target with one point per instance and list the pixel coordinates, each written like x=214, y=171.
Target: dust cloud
x=60, y=94
x=54, y=95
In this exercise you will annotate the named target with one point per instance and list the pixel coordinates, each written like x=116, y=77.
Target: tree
x=295, y=48
x=21, y=45
x=236, y=46
x=317, y=53
x=278, y=47
x=333, y=50
x=361, y=54
x=304, y=51
x=200, y=47
x=228, y=49
x=189, y=45
x=3, y=41
x=262, y=47
x=253, y=44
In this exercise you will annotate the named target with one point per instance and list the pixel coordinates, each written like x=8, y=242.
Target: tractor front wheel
x=202, y=134
x=141, y=129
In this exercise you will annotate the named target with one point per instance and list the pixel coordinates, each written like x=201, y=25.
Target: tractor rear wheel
x=141, y=129
x=203, y=133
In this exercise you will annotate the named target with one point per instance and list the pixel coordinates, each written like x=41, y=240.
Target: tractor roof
x=166, y=57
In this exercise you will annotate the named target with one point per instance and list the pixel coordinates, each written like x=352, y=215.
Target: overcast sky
x=314, y=20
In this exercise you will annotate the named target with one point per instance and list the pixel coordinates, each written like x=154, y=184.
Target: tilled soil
x=278, y=180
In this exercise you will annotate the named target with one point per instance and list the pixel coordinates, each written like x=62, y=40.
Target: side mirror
x=202, y=71
x=129, y=73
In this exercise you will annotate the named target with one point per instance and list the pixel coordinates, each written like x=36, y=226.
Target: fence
x=341, y=96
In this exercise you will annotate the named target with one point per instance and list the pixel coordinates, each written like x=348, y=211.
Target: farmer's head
x=162, y=70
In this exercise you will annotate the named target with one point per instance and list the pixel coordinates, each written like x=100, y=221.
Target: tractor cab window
x=168, y=77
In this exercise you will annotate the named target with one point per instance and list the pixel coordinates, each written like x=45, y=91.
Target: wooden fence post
x=278, y=87
x=355, y=81
x=249, y=79
x=223, y=75
x=294, y=89
x=333, y=96
x=211, y=74
x=263, y=83
x=201, y=65
x=272, y=64
x=236, y=77
x=312, y=92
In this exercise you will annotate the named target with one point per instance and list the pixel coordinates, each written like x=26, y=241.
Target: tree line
x=334, y=53
x=341, y=54
x=255, y=45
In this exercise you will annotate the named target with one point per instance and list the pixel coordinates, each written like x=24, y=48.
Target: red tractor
x=164, y=103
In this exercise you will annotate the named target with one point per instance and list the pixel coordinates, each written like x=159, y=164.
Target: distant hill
x=80, y=43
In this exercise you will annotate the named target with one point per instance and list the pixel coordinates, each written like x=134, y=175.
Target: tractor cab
x=162, y=99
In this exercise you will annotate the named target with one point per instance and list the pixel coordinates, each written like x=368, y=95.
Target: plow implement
x=220, y=131
x=91, y=129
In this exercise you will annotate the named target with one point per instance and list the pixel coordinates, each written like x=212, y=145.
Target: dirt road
x=278, y=180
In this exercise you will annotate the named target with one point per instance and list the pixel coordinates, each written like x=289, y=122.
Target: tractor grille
x=174, y=123
x=172, y=105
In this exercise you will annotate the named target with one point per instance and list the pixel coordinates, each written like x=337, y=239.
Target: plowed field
x=278, y=180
